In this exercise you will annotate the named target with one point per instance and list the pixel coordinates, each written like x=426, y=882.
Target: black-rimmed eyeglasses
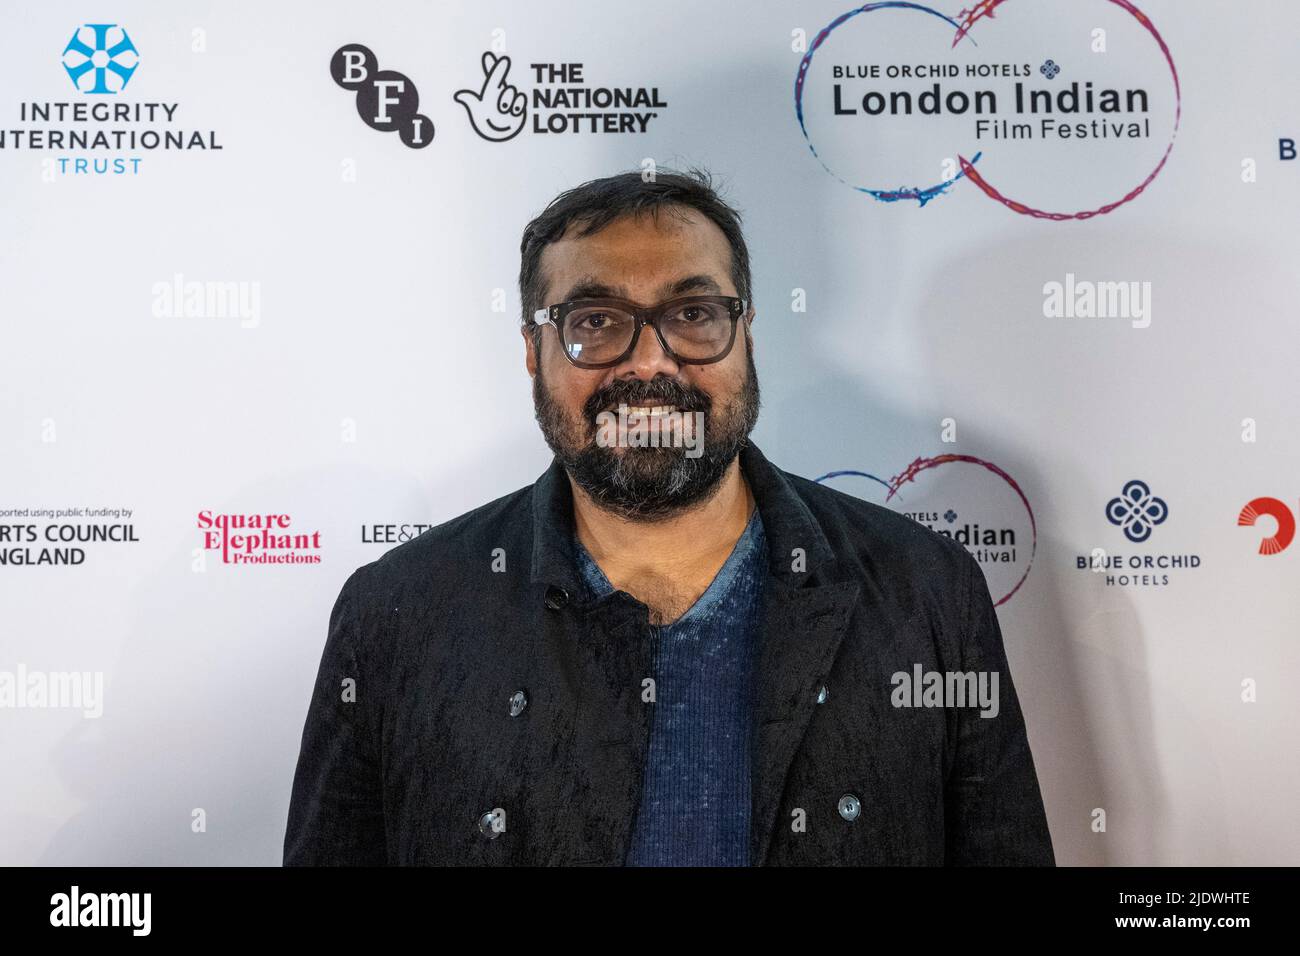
x=599, y=333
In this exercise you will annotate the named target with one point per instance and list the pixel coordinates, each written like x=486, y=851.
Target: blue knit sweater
x=695, y=798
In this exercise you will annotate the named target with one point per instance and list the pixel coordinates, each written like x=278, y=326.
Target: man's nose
x=648, y=359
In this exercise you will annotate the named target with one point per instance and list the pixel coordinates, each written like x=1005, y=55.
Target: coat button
x=850, y=807
x=487, y=825
x=518, y=701
x=822, y=695
x=556, y=597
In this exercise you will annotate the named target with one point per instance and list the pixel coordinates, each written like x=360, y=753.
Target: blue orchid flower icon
x=1137, y=511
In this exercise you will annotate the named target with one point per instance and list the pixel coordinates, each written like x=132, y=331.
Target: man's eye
x=692, y=314
x=594, y=320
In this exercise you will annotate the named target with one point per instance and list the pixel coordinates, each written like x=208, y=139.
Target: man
x=666, y=650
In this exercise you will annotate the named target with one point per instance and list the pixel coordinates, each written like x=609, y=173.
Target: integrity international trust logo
x=100, y=59
x=103, y=129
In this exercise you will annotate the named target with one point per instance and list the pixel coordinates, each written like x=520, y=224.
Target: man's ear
x=530, y=352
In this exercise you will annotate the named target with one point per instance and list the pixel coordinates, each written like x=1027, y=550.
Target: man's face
x=646, y=259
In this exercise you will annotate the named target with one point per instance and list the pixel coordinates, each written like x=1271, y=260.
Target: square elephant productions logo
x=256, y=539
x=113, y=124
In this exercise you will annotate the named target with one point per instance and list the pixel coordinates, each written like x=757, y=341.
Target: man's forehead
x=592, y=286
x=677, y=251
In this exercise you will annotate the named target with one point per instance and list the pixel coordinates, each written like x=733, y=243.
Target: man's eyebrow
x=589, y=287
x=691, y=284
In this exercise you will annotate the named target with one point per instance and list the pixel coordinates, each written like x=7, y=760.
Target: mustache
x=686, y=398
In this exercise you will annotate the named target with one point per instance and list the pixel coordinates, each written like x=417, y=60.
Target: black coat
x=438, y=643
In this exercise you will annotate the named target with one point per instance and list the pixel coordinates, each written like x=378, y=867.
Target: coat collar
x=797, y=546
x=806, y=609
x=555, y=560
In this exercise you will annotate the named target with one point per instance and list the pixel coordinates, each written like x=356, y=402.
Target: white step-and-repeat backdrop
x=1025, y=271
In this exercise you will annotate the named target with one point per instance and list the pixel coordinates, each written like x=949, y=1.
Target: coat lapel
x=805, y=616
x=801, y=634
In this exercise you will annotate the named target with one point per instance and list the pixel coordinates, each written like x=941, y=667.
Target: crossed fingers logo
x=497, y=110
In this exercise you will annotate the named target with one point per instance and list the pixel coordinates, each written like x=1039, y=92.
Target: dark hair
x=596, y=204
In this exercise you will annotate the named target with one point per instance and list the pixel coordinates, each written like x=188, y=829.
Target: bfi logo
x=386, y=100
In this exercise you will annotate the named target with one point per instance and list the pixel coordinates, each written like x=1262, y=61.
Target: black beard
x=649, y=484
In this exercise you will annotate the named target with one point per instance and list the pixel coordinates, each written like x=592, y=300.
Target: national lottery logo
x=553, y=98
x=550, y=99
x=100, y=59
x=1055, y=109
x=497, y=110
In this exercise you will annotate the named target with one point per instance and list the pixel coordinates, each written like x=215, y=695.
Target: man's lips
x=651, y=408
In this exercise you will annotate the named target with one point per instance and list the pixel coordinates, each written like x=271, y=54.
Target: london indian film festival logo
x=1058, y=109
x=971, y=500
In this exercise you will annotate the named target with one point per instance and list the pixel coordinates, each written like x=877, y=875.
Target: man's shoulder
x=445, y=550
x=874, y=537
